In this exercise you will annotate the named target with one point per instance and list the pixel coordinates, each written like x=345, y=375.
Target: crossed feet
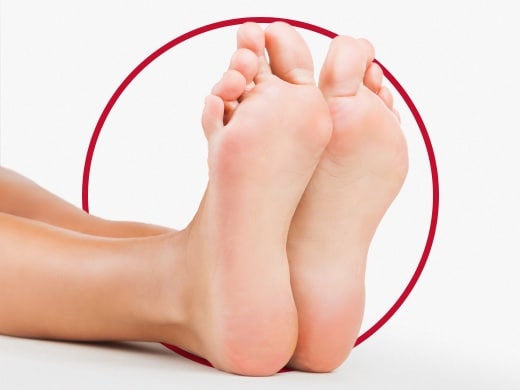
x=299, y=179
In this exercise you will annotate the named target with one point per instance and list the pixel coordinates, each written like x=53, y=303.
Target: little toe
x=212, y=115
x=289, y=56
x=344, y=67
x=397, y=115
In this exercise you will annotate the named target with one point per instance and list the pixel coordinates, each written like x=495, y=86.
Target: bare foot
x=359, y=175
x=266, y=136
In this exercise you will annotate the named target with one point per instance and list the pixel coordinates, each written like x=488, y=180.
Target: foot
x=265, y=135
x=359, y=175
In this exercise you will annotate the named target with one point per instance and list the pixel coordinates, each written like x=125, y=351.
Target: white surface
x=60, y=63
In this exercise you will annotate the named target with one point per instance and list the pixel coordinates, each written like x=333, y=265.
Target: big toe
x=345, y=66
x=289, y=56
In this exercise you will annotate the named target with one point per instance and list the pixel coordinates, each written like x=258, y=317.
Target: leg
x=59, y=284
x=22, y=197
x=230, y=300
x=360, y=173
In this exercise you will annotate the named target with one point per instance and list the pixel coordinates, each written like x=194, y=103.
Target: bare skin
x=22, y=197
x=359, y=175
x=258, y=170
x=231, y=300
x=271, y=269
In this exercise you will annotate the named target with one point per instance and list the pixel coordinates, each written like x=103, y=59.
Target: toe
x=251, y=36
x=246, y=62
x=242, y=69
x=373, y=77
x=212, y=115
x=344, y=67
x=236, y=81
x=289, y=56
x=386, y=97
x=397, y=115
x=231, y=86
x=368, y=48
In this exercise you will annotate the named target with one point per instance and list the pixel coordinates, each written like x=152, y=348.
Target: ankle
x=167, y=316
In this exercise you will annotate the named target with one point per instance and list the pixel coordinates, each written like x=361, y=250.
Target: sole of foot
x=360, y=173
x=266, y=135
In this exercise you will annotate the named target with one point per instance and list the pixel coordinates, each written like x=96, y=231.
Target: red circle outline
x=411, y=106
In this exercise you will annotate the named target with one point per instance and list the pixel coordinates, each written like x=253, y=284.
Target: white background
x=60, y=63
